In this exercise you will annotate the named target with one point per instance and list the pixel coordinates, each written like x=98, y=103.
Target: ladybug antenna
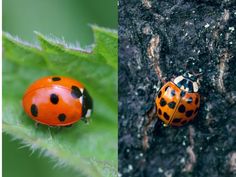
x=197, y=74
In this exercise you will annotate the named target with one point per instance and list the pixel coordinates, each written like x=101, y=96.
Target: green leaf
x=91, y=149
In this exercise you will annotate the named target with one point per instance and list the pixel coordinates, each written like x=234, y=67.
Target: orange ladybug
x=57, y=101
x=178, y=102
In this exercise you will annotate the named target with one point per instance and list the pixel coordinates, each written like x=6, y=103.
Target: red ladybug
x=178, y=102
x=57, y=101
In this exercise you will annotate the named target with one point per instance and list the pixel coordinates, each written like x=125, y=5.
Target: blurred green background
x=68, y=20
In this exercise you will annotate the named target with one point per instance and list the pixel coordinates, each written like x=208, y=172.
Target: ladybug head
x=187, y=82
x=190, y=76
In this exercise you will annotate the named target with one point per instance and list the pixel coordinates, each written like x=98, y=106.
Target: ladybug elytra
x=178, y=102
x=57, y=101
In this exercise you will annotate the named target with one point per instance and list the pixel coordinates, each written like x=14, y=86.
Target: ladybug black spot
x=176, y=120
x=166, y=116
x=54, y=98
x=159, y=94
x=56, y=78
x=189, y=113
x=196, y=101
x=181, y=108
x=172, y=93
x=62, y=117
x=182, y=93
x=75, y=92
x=189, y=100
x=159, y=112
x=166, y=88
x=162, y=102
x=172, y=104
x=34, y=110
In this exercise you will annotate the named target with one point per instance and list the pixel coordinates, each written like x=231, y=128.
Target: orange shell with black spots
x=57, y=101
x=176, y=107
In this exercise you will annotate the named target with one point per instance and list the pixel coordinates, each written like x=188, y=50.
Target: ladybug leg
x=36, y=124
x=69, y=125
x=151, y=117
x=85, y=120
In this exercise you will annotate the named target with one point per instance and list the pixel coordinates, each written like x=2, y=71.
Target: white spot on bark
x=207, y=25
x=231, y=28
x=226, y=15
x=147, y=4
